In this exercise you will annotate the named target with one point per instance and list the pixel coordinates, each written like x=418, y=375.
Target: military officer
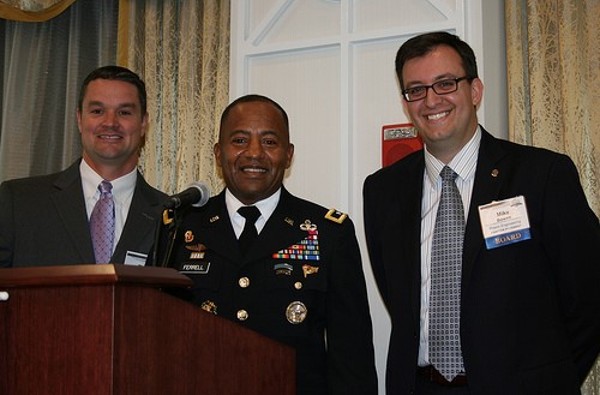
x=296, y=274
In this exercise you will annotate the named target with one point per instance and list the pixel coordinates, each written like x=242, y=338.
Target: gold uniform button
x=244, y=282
x=298, y=285
x=242, y=315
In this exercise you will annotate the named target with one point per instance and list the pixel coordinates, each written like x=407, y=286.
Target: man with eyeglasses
x=485, y=252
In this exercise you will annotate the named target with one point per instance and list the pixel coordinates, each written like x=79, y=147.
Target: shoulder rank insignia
x=336, y=216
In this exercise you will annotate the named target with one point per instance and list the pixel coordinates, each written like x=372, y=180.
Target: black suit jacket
x=530, y=311
x=43, y=221
x=334, y=348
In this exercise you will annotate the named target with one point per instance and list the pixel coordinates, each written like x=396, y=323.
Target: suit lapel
x=403, y=230
x=411, y=230
x=141, y=219
x=218, y=232
x=488, y=180
x=68, y=199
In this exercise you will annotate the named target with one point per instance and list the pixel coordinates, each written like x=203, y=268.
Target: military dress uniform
x=301, y=283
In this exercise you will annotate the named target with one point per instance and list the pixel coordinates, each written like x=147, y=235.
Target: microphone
x=197, y=194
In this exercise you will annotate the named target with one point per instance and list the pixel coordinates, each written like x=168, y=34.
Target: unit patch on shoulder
x=336, y=216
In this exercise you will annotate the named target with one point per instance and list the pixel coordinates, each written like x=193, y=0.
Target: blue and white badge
x=504, y=222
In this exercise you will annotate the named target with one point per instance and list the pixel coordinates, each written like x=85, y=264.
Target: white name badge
x=133, y=258
x=504, y=222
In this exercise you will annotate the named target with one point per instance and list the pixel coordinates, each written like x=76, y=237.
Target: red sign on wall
x=397, y=141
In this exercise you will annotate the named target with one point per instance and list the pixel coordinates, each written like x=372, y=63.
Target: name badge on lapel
x=504, y=222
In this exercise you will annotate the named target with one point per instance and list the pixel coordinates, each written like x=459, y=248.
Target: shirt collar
x=266, y=206
x=90, y=181
x=464, y=162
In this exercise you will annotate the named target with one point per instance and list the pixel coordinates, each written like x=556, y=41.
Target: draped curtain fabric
x=553, y=56
x=181, y=48
x=32, y=10
x=42, y=65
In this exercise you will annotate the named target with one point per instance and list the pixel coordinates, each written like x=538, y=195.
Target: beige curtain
x=553, y=56
x=32, y=10
x=181, y=49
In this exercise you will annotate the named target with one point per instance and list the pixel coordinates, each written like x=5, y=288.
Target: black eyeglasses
x=442, y=87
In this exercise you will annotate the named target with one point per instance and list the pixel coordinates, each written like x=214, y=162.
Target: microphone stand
x=171, y=218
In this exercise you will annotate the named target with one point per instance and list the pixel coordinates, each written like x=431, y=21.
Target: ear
x=405, y=106
x=217, y=153
x=476, y=91
x=78, y=114
x=144, y=124
x=290, y=155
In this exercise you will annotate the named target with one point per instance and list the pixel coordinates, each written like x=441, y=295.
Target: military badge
x=283, y=269
x=296, y=312
x=308, y=269
x=188, y=236
x=197, y=255
x=196, y=247
x=195, y=268
x=210, y=306
x=308, y=226
x=306, y=249
x=336, y=216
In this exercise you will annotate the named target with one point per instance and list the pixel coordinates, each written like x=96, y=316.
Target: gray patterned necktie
x=102, y=224
x=446, y=263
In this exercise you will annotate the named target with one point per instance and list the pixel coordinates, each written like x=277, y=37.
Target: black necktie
x=249, y=234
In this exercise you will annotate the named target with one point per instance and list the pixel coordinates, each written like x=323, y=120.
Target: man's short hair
x=422, y=44
x=116, y=73
x=255, y=98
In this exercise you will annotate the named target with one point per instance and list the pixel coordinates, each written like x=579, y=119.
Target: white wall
x=330, y=64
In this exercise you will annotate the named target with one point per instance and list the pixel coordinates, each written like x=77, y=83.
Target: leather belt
x=431, y=374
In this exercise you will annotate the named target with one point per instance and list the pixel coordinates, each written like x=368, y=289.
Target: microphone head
x=204, y=193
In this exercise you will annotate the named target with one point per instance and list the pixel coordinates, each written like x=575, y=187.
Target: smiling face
x=254, y=150
x=445, y=122
x=112, y=127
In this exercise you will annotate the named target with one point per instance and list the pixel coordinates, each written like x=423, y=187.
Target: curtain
x=553, y=64
x=42, y=65
x=181, y=48
x=32, y=10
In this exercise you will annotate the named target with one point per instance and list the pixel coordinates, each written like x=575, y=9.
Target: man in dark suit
x=527, y=277
x=44, y=220
x=301, y=279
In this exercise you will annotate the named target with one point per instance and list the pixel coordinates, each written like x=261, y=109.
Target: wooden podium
x=110, y=329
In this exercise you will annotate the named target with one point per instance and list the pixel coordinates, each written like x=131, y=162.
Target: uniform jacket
x=43, y=221
x=530, y=311
x=262, y=290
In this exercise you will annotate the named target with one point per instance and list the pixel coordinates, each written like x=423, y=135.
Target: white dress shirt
x=123, y=188
x=464, y=164
x=266, y=207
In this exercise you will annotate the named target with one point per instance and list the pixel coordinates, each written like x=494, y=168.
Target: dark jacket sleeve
x=6, y=226
x=571, y=237
x=351, y=368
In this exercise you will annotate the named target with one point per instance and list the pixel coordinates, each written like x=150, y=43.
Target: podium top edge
x=92, y=274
